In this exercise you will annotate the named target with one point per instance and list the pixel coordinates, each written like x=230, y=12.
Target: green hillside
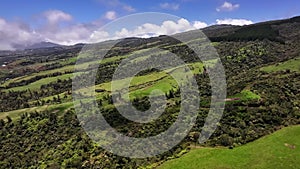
x=278, y=150
x=39, y=127
x=291, y=65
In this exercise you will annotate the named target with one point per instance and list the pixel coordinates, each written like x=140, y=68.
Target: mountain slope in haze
x=42, y=45
x=36, y=45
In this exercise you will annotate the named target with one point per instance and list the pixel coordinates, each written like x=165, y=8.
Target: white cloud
x=111, y=15
x=13, y=33
x=97, y=36
x=128, y=8
x=70, y=33
x=55, y=16
x=117, y=4
x=166, y=28
x=169, y=6
x=65, y=34
x=199, y=24
x=17, y=34
x=227, y=6
x=234, y=21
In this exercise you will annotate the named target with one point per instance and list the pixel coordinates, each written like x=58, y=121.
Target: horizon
x=58, y=23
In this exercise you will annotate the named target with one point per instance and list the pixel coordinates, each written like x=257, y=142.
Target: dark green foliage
x=251, y=33
x=49, y=141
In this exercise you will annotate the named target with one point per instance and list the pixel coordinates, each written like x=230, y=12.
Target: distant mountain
x=276, y=30
x=43, y=45
x=36, y=45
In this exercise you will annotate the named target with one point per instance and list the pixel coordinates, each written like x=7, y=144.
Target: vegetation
x=39, y=128
x=37, y=84
x=277, y=150
x=290, y=65
x=246, y=95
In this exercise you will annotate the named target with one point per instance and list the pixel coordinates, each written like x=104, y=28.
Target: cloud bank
x=166, y=28
x=59, y=27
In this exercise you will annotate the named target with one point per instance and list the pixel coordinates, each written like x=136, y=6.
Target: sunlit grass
x=278, y=150
x=292, y=65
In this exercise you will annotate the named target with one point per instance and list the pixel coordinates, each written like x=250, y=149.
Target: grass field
x=164, y=85
x=278, y=150
x=37, y=84
x=55, y=107
x=246, y=95
x=46, y=72
x=67, y=68
x=293, y=65
x=142, y=85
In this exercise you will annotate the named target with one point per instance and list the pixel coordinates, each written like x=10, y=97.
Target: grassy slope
x=293, y=65
x=62, y=69
x=246, y=95
x=139, y=80
x=139, y=84
x=66, y=68
x=54, y=107
x=164, y=82
x=272, y=151
x=37, y=84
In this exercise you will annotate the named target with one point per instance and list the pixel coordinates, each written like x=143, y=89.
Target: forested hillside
x=39, y=127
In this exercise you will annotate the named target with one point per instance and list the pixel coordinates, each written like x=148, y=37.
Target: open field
x=66, y=68
x=278, y=150
x=292, y=65
x=37, y=84
x=55, y=107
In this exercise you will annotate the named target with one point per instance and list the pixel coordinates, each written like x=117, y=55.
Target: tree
x=2, y=123
x=196, y=137
x=9, y=120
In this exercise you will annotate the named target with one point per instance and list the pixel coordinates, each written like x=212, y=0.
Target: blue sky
x=71, y=21
x=204, y=10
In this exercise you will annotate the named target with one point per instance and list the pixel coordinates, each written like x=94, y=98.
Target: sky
x=69, y=22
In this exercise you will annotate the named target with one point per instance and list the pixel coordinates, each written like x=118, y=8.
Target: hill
x=277, y=150
x=279, y=30
x=38, y=124
x=36, y=46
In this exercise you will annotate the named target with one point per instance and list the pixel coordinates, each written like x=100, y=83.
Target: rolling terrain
x=39, y=128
